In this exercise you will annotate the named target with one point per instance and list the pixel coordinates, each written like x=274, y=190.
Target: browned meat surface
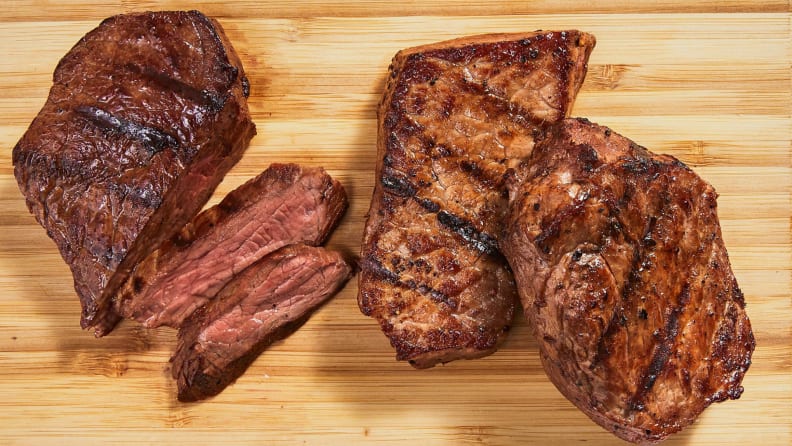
x=146, y=114
x=265, y=303
x=625, y=278
x=454, y=117
x=285, y=204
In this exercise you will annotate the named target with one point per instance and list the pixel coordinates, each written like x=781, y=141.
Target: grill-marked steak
x=454, y=117
x=263, y=304
x=285, y=204
x=624, y=276
x=146, y=115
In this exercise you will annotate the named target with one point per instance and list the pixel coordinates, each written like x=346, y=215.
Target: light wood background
x=708, y=82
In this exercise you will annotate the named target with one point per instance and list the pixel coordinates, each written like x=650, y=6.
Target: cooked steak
x=263, y=304
x=146, y=114
x=626, y=281
x=454, y=117
x=285, y=204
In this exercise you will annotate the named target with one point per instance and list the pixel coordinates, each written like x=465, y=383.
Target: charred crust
x=372, y=265
x=428, y=204
x=662, y=351
x=379, y=271
x=245, y=86
x=437, y=296
x=486, y=178
x=533, y=53
x=481, y=241
x=398, y=185
x=153, y=139
x=577, y=255
x=218, y=36
x=210, y=100
x=737, y=294
x=587, y=157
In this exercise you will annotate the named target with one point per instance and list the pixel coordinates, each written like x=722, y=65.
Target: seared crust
x=454, y=117
x=146, y=114
x=626, y=281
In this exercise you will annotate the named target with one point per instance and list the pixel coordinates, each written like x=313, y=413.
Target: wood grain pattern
x=709, y=82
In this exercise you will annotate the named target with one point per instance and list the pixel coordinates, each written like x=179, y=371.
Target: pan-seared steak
x=285, y=204
x=454, y=117
x=625, y=279
x=146, y=114
x=263, y=304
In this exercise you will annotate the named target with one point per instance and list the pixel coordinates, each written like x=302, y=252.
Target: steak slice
x=285, y=204
x=454, y=117
x=265, y=303
x=624, y=276
x=146, y=115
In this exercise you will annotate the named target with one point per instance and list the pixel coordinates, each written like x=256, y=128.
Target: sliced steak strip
x=626, y=281
x=263, y=304
x=146, y=115
x=285, y=204
x=454, y=117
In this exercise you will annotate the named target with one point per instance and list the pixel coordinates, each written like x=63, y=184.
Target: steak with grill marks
x=285, y=204
x=146, y=115
x=263, y=304
x=625, y=279
x=454, y=117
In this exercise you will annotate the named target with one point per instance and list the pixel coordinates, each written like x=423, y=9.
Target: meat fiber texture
x=454, y=117
x=285, y=204
x=625, y=279
x=146, y=115
x=263, y=304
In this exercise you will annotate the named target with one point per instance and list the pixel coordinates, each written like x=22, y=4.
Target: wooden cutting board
x=707, y=82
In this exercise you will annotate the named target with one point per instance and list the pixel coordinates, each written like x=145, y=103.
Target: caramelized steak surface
x=265, y=303
x=625, y=279
x=454, y=117
x=285, y=204
x=146, y=114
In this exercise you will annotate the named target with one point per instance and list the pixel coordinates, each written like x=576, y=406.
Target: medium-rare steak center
x=265, y=303
x=285, y=204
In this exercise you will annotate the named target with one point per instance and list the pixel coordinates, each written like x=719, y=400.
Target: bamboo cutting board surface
x=707, y=82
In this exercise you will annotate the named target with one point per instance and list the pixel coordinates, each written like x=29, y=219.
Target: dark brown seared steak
x=146, y=115
x=286, y=204
x=454, y=117
x=624, y=276
x=263, y=304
